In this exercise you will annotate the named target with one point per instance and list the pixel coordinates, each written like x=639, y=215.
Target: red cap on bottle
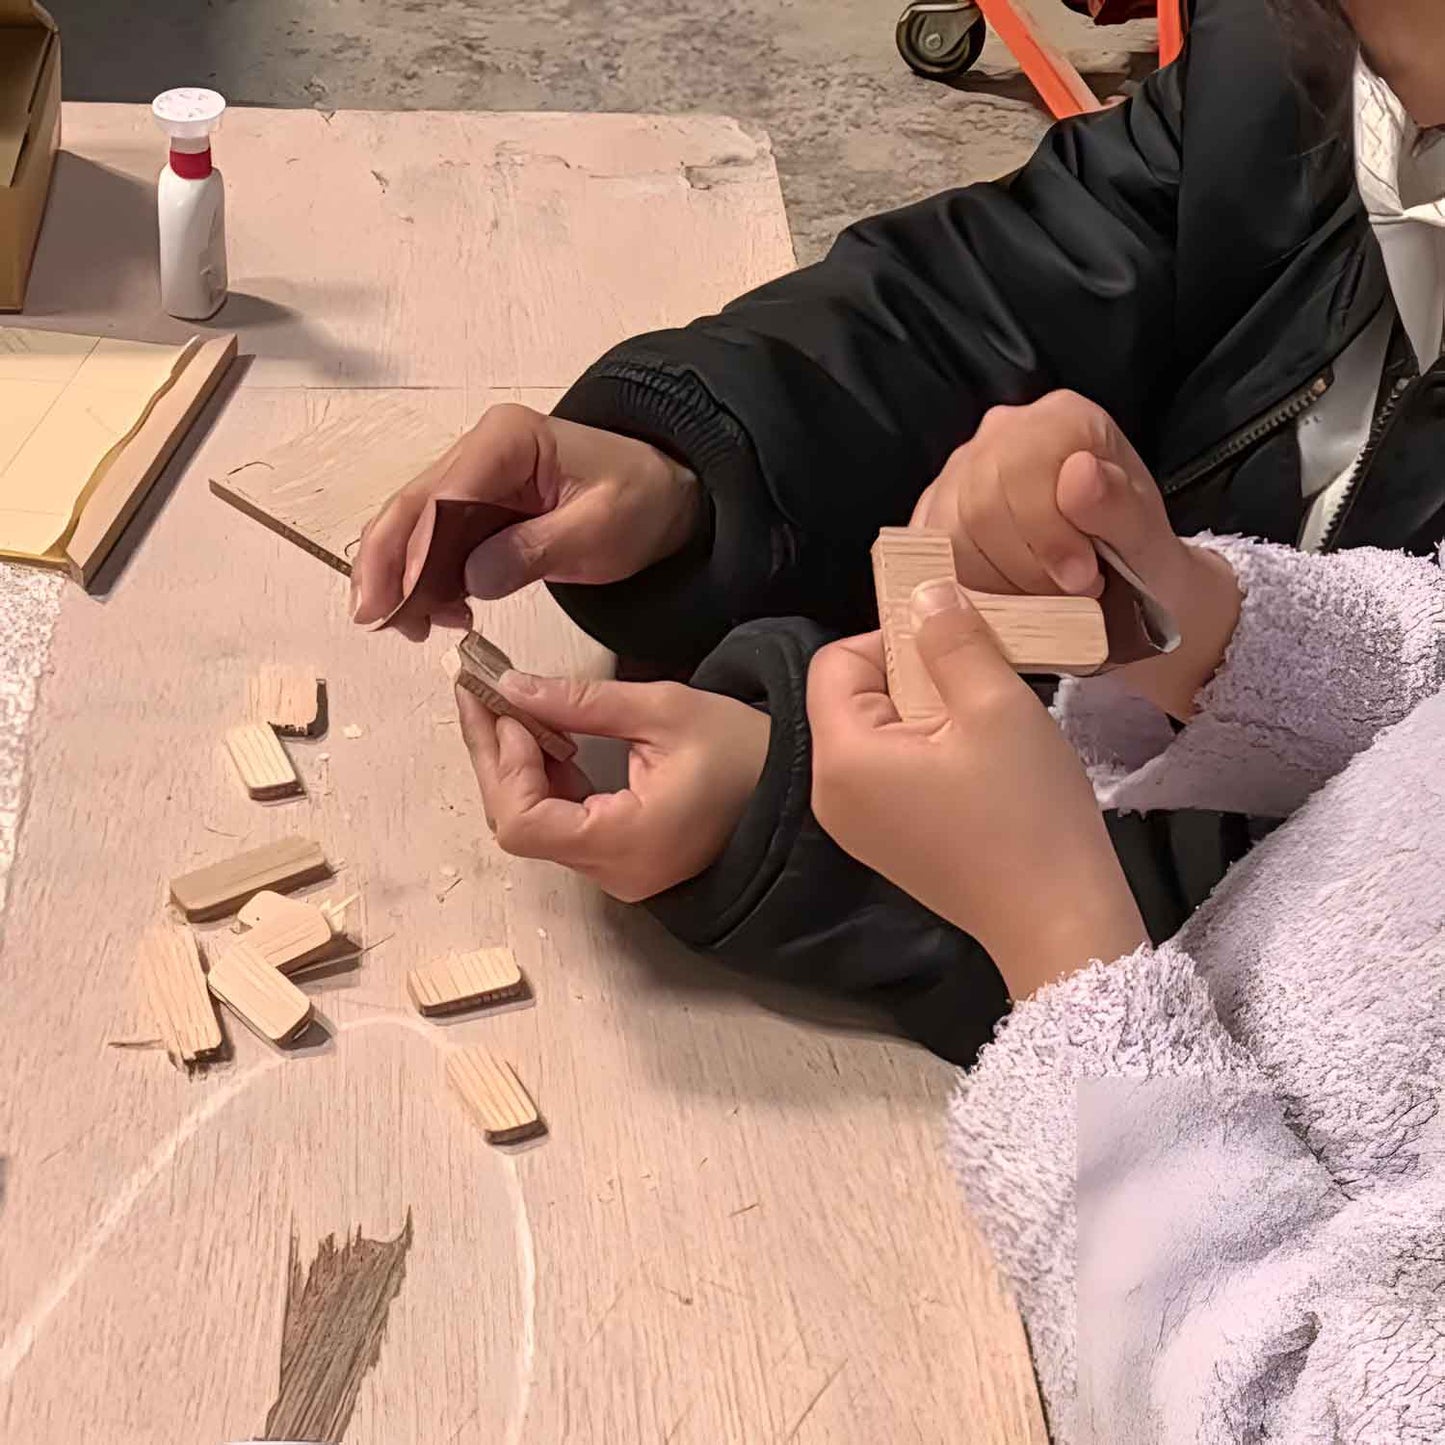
x=193, y=165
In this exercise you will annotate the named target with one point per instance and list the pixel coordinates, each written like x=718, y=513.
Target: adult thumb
x=957, y=647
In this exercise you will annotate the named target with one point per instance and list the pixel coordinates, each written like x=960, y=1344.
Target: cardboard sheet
x=67, y=404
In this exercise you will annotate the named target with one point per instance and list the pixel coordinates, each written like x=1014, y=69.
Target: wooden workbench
x=739, y=1228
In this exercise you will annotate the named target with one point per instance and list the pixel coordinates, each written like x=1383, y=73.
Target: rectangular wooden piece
x=320, y=489
x=477, y=665
x=1060, y=635
x=220, y=888
x=262, y=997
x=291, y=699
x=261, y=761
x=461, y=981
x=493, y=1095
x=175, y=985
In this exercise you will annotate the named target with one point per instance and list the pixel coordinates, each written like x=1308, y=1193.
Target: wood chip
x=221, y=888
x=265, y=1000
x=288, y=933
x=261, y=761
x=291, y=699
x=1059, y=635
x=465, y=980
x=170, y=968
x=477, y=665
x=493, y=1095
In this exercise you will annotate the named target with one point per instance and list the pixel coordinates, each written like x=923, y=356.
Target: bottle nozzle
x=188, y=115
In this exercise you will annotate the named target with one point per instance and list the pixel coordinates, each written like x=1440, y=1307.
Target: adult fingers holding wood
x=600, y=508
x=694, y=759
x=996, y=496
x=982, y=813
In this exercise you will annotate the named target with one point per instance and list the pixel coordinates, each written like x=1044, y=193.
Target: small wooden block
x=291, y=699
x=493, y=1095
x=1060, y=635
x=477, y=665
x=265, y=1000
x=288, y=933
x=465, y=980
x=170, y=966
x=262, y=762
x=220, y=888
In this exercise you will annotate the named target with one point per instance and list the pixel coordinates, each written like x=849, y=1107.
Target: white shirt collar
x=1400, y=170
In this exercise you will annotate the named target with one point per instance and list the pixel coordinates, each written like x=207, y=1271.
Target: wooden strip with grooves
x=460, y=981
x=477, y=665
x=261, y=761
x=288, y=934
x=170, y=967
x=289, y=698
x=493, y=1095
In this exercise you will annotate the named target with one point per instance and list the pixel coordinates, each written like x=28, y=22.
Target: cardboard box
x=29, y=136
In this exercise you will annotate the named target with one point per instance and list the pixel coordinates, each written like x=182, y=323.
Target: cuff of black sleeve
x=671, y=614
x=764, y=665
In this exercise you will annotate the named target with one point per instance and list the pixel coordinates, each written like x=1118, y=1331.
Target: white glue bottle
x=192, y=205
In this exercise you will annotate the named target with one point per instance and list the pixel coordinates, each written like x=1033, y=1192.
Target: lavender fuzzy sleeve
x=1133, y=1173
x=1328, y=653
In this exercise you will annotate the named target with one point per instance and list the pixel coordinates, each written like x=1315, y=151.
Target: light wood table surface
x=740, y=1227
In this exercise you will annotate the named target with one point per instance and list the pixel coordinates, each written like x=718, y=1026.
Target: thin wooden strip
x=220, y=888
x=133, y=472
x=261, y=761
x=465, y=980
x=291, y=699
x=320, y=489
x=493, y=1095
x=477, y=665
x=170, y=967
x=265, y=1000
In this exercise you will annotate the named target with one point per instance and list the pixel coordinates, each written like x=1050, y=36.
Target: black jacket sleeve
x=818, y=408
x=785, y=901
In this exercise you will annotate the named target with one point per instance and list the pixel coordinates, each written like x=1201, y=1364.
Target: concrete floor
x=853, y=129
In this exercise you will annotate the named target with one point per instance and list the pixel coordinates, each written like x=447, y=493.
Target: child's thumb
x=957, y=647
x=596, y=708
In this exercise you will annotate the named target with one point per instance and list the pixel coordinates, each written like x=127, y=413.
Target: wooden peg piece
x=477, y=665
x=291, y=699
x=462, y=981
x=265, y=1000
x=288, y=933
x=170, y=968
x=262, y=762
x=220, y=888
x=493, y=1095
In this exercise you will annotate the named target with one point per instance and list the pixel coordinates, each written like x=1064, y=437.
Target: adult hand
x=693, y=762
x=605, y=507
x=983, y=813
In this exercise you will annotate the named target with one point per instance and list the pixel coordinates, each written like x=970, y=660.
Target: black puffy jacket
x=1193, y=261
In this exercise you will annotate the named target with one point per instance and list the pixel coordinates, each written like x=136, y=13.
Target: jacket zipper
x=1379, y=429
x=1296, y=403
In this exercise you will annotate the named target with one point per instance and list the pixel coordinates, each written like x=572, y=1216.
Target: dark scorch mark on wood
x=335, y=1322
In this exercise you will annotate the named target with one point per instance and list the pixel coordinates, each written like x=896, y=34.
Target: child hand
x=606, y=507
x=984, y=814
x=694, y=760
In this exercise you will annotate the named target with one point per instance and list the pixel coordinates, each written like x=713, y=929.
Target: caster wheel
x=941, y=40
